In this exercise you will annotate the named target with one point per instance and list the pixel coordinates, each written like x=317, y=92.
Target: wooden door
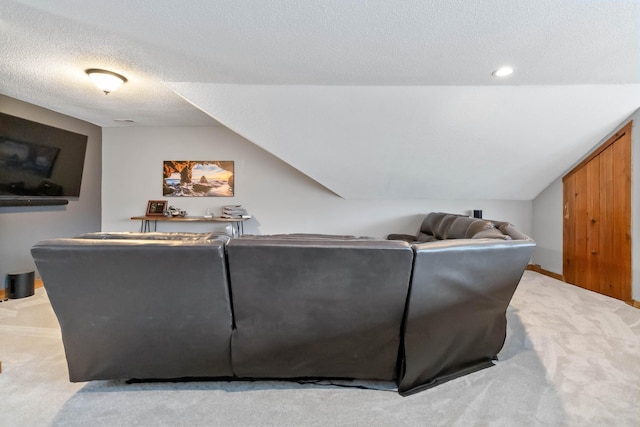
x=597, y=219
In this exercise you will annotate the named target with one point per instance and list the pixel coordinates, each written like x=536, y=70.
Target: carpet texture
x=571, y=358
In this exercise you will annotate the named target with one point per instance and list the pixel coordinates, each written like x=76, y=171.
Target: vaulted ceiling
x=378, y=99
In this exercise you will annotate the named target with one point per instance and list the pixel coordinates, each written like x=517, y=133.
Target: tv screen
x=39, y=160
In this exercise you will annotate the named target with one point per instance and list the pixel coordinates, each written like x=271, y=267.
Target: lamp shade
x=107, y=81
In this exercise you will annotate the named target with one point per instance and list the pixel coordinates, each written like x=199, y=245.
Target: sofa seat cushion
x=423, y=238
x=401, y=236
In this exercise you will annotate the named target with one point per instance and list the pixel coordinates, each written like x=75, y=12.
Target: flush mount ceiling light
x=503, y=71
x=107, y=81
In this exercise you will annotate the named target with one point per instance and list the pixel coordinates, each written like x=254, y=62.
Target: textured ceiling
x=373, y=99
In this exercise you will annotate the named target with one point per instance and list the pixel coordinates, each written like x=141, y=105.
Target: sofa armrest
x=403, y=237
x=455, y=321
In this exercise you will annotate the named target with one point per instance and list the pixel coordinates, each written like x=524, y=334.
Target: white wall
x=22, y=227
x=281, y=199
x=635, y=205
x=547, y=227
x=547, y=213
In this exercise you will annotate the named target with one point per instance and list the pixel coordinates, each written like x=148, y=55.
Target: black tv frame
x=70, y=149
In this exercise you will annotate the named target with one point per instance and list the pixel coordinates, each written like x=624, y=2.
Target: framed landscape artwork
x=197, y=178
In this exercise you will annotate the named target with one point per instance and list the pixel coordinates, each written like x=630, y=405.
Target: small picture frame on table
x=156, y=207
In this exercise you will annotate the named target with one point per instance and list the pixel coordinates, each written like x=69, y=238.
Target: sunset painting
x=196, y=178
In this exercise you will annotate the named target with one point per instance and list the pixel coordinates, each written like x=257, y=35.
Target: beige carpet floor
x=571, y=358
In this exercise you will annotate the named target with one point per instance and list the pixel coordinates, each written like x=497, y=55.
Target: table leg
x=145, y=227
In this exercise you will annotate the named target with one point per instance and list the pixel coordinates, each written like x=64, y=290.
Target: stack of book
x=234, y=211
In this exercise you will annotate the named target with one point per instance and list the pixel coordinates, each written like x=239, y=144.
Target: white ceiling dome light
x=503, y=71
x=107, y=81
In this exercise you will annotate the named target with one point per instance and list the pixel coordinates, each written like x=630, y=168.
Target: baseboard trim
x=37, y=283
x=538, y=269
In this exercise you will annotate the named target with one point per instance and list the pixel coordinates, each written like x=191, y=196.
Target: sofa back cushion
x=443, y=226
x=431, y=223
x=464, y=227
x=139, y=308
x=442, y=229
x=318, y=307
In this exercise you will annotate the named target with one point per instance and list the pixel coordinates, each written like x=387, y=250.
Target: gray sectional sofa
x=191, y=305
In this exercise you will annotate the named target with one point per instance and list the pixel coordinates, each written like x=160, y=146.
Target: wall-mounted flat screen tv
x=39, y=160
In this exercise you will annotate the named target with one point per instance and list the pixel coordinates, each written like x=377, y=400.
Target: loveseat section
x=446, y=226
x=318, y=307
x=456, y=310
x=142, y=309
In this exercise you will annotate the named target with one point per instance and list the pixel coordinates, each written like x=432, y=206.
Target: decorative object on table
x=234, y=211
x=172, y=211
x=197, y=178
x=156, y=207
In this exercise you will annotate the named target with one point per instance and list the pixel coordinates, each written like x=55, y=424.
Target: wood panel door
x=597, y=219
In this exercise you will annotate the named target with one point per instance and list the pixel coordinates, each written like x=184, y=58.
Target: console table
x=237, y=227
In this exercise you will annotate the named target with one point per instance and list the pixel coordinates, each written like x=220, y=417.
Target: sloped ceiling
x=372, y=99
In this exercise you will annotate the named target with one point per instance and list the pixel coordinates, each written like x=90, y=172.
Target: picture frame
x=156, y=207
x=198, y=178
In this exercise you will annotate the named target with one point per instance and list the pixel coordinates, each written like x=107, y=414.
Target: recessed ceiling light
x=503, y=71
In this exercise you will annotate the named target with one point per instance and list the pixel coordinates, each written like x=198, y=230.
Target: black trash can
x=20, y=285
